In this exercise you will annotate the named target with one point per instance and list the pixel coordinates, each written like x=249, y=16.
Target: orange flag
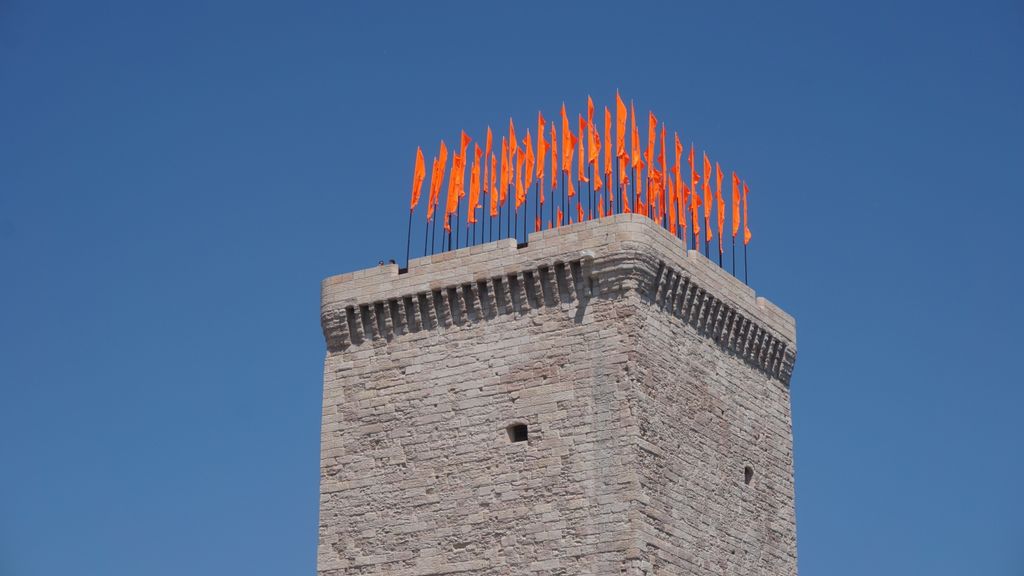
x=542, y=150
x=494, y=195
x=662, y=174
x=680, y=211
x=746, y=222
x=694, y=176
x=583, y=128
x=558, y=222
x=568, y=143
x=572, y=189
x=462, y=166
x=456, y=188
x=708, y=199
x=652, y=134
x=735, y=206
x=671, y=205
x=634, y=144
x=620, y=127
x=474, y=187
x=503, y=175
x=607, y=142
x=721, y=204
x=594, y=148
x=600, y=205
x=436, y=177
x=598, y=183
x=418, y=174
x=529, y=160
x=487, y=154
x=625, y=202
x=520, y=191
x=694, y=214
x=513, y=145
x=579, y=211
x=554, y=157
x=432, y=200
x=452, y=201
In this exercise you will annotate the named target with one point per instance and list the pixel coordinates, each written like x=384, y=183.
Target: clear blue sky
x=176, y=178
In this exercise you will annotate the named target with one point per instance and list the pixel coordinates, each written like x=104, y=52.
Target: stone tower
x=597, y=402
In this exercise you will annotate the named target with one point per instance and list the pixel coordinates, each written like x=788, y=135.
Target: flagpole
x=565, y=196
x=408, y=240
x=634, y=190
x=734, y=255
x=745, y=264
x=458, y=216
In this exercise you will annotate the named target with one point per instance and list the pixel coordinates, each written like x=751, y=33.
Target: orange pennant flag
x=504, y=174
x=625, y=202
x=598, y=183
x=520, y=191
x=583, y=128
x=436, y=177
x=735, y=206
x=513, y=144
x=672, y=205
x=487, y=154
x=558, y=222
x=620, y=127
x=590, y=111
x=708, y=199
x=694, y=176
x=554, y=157
x=452, y=202
x=607, y=143
x=694, y=213
x=529, y=160
x=418, y=174
x=568, y=143
x=721, y=204
x=652, y=134
x=536, y=224
x=572, y=189
x=600, y=205
x=746, y=222
x=462, y=165
x=662, y=174
x=542, y=150
x=579, y=211
x=680, y=210
x=474, y=187
x=494, y=195
x=634, y=144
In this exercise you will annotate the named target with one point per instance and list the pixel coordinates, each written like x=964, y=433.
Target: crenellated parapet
x=563, y=268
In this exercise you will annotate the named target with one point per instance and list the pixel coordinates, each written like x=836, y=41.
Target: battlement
x=561, y=267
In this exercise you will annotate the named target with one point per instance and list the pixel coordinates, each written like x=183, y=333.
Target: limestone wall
x=649, y=380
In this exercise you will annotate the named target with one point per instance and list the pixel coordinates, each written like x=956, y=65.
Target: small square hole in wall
x=518, y=433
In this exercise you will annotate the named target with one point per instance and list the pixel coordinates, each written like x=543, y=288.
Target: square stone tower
x=597, y=402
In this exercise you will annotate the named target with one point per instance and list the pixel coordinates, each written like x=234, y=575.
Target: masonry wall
x=647, y=377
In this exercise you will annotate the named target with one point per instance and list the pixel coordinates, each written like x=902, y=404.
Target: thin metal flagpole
x=408, y=240
x=565, y=196
x=511, y=208
x=745, y=264
x=426, y=229
x=734, y=255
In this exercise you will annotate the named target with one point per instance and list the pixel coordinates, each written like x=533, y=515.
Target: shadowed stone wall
x=654, y=387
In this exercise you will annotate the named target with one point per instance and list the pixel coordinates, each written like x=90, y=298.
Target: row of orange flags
x=501, y=177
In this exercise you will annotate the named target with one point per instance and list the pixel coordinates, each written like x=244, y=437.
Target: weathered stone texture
x=649, y=380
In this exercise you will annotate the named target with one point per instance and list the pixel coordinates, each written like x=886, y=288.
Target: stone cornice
x=563, y=267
